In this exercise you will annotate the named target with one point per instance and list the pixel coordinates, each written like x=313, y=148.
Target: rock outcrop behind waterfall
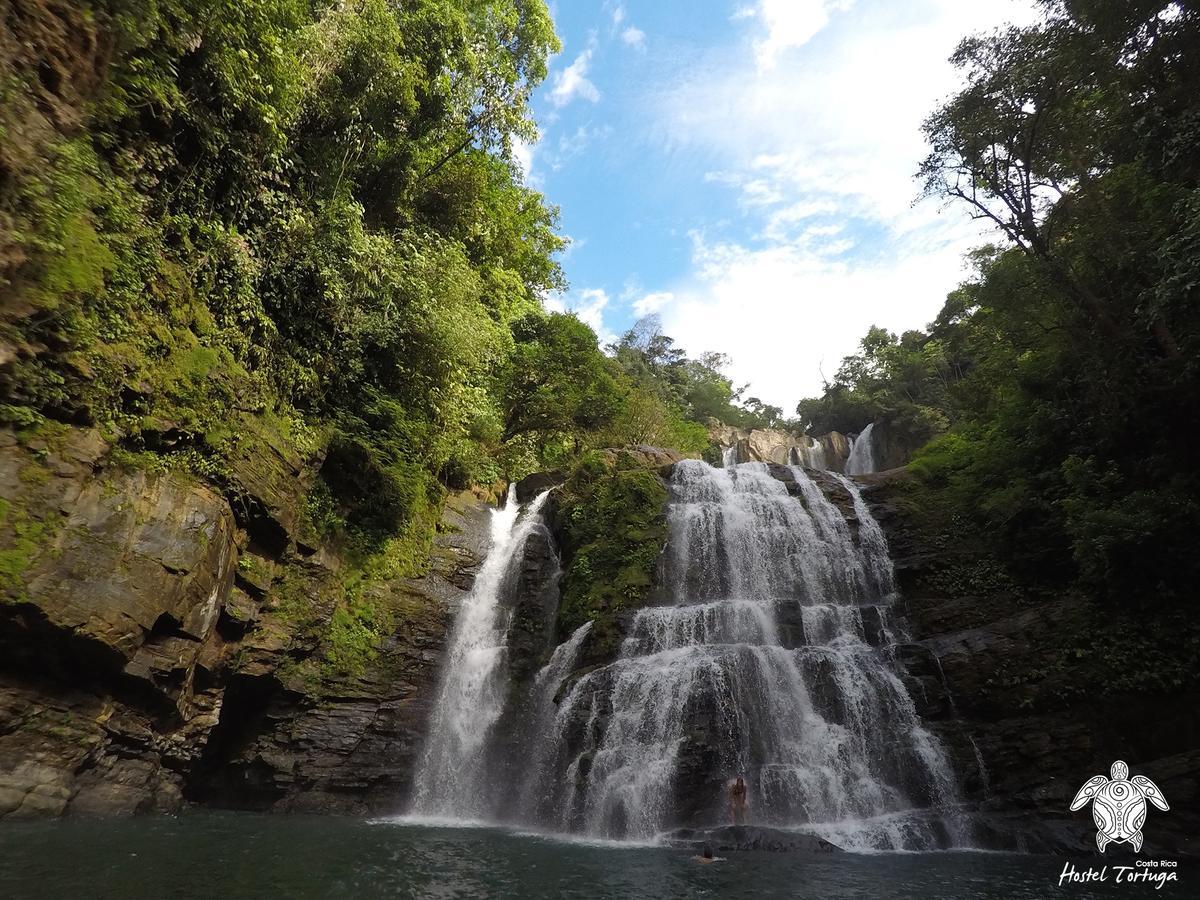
x=1030, y=689
x=828, y=451
x=159, y=639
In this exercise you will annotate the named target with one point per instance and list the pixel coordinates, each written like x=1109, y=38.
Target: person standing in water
x=737, y=801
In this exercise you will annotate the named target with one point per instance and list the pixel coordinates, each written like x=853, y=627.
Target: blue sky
x=743, y=168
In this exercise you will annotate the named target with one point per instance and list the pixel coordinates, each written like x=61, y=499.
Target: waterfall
x=811, y=456
x=762, y=665
x=862, y=454
x=534, y=797
x=729, y=457
x=451, y=777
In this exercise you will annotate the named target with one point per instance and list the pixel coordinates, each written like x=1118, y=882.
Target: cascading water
x=770, y=656
x=729, y=457
x=862, y=453
x=451, y=777
x=762, y=666
x=811, y=455
x=535, y=797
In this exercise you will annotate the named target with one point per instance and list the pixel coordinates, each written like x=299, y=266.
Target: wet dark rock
x=986, y=671
x=531, y=485
x=534, y=599
x=874, y=621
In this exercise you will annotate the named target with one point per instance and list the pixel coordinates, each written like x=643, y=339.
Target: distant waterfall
x=811, y=455
x=729, y=457
x=451, y=780
x=862, y=453
x=772, y=661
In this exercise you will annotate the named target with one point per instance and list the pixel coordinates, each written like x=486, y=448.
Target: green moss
x=25, y=538
x=966, y=557
x=20, y=416
x=34, y=474
x=352, y=639
x=613, y=524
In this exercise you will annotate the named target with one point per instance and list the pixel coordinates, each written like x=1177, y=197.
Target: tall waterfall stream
x=452, y=778
x=770, y=656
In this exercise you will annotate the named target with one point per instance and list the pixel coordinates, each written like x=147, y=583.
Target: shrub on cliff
x=612, y=526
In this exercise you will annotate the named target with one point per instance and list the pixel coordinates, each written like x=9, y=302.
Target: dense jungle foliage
x=230, y=224
x=226, y=223
x=1063, y=380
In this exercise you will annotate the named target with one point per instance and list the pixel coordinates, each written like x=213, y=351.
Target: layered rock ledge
x=157, y=639
x=990, y=670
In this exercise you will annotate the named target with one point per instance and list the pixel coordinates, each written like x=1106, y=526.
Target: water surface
x=210, y=855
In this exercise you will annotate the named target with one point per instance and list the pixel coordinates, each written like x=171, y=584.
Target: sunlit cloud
x=572, y=82
x=817, y=142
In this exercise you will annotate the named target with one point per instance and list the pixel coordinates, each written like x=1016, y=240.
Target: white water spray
x=761, y=667
x=862, y=453
x=451, y=779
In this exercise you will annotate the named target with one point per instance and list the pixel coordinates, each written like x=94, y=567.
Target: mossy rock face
x=612, y=528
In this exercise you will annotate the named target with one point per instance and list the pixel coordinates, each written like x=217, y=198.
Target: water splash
x=811, y=455
x=538, y=790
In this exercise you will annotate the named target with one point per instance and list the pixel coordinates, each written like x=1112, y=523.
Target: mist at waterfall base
x=769, y=654
x=201, y=855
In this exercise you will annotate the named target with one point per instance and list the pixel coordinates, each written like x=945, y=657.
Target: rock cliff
x=828, y=451
x=158, y=639
x=996, y=670
x=153, y=651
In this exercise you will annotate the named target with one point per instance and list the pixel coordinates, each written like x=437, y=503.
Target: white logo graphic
x=1119, y=805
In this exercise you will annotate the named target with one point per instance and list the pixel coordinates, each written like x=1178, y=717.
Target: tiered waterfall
x=769, y=655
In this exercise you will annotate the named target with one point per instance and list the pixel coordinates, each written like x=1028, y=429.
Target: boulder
x=145, y=662
x=269, y=480
x=531, y=485
x=127, y=571
x=783, y=447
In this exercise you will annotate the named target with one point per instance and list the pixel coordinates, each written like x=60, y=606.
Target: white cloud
x=788, y=314
x=618, y=15
x=789, y=24
x=572, y=82
x=574, y=143
x=633, y=36
x=820, y=153
x=588, y=306
x=523, y=153
x=782, y=221
x=652, y=303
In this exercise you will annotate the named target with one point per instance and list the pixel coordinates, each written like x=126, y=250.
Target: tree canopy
x=1065, y=373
